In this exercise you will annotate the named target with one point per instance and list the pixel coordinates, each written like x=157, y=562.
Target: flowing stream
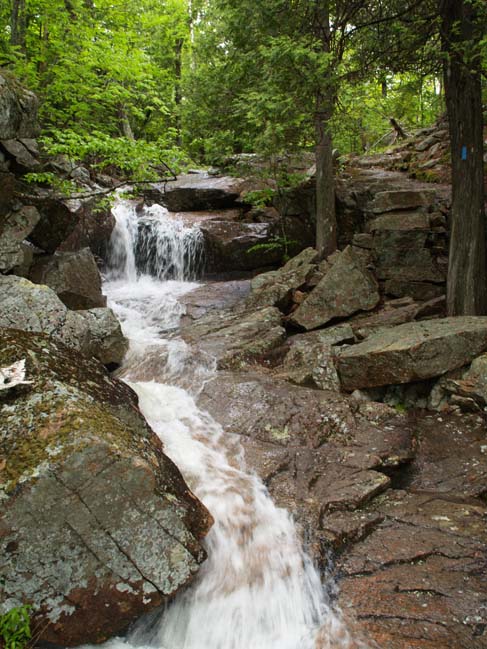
x=258, y=589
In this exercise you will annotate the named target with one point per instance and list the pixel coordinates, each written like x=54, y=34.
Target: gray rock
x=23, y=159
x=403, y=199
x=406, y=256
x=472, y=384
x=36, y=308
x=74, y=277
x=18, y=110
x=412, y=352
x=233, y=245
x=309, y=360
x=400, y=221
x=14, y=228
x=107, y=342
x=93, y=229
x=98, y=525
x=348, y=287
x=275, y=288
x=401, y=287
x=58, y=220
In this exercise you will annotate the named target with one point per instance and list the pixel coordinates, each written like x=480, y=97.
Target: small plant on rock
x=15, y=629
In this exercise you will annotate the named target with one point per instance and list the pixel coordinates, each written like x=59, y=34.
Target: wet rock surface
x=97, y=524
x=398, y=501
x=200, y=192
x=394, y=497
x=235, y=339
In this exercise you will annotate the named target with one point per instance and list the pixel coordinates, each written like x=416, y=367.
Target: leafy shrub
x=135, y=159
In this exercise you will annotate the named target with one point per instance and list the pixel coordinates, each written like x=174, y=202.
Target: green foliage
x=15, y=627
x=103, y=204
x=260, y=197
x=104, y=66
x=63, y=186
x=281, y=244
x=135, y=159
x=400, y=408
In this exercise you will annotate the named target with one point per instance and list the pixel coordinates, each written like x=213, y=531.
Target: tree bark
x=125, y=125
x=18, y=24
x=326, y=227
x=467, y=269
x=178, y=65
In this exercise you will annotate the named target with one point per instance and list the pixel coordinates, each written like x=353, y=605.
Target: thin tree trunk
x=326, y=228
x=178, y=64
x=18, y=24
x=467, y=270
x=125, y=123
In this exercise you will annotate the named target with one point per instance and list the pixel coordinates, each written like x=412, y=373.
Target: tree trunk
x=125, y=123
x=178, y=64
x=467, y=270
x=326, y=228
x=18, y=24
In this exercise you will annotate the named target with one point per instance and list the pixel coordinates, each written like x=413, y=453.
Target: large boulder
x=37, y=308
x=237, y=246
x=191, y=192
x=58, y=220
x=97, y=524
x=106, y=341
x=18, y=110
x=275, y=288
x=403, y=199
x=93, y=230
x=412, y=352
x=14, y=228
x=73, y=276
x=346, y=288
x=20, y=155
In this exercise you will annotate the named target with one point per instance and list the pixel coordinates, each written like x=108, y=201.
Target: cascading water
x=258, y=589
x=154, y=244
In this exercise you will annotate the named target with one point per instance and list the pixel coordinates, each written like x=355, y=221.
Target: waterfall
x=154, y=243
x=258, y=589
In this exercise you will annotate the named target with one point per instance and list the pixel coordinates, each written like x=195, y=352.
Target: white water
x=258, y=589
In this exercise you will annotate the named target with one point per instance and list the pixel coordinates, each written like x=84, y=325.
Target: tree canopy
x=132, y=85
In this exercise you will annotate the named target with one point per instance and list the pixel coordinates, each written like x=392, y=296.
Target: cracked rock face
x=97, y=525
x=18, y=110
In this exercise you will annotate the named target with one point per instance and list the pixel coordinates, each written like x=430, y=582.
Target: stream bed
x=258, y=589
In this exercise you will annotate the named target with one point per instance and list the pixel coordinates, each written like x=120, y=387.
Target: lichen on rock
x=85, y=486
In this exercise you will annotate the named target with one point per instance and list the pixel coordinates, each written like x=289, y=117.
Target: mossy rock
x=98, y=525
